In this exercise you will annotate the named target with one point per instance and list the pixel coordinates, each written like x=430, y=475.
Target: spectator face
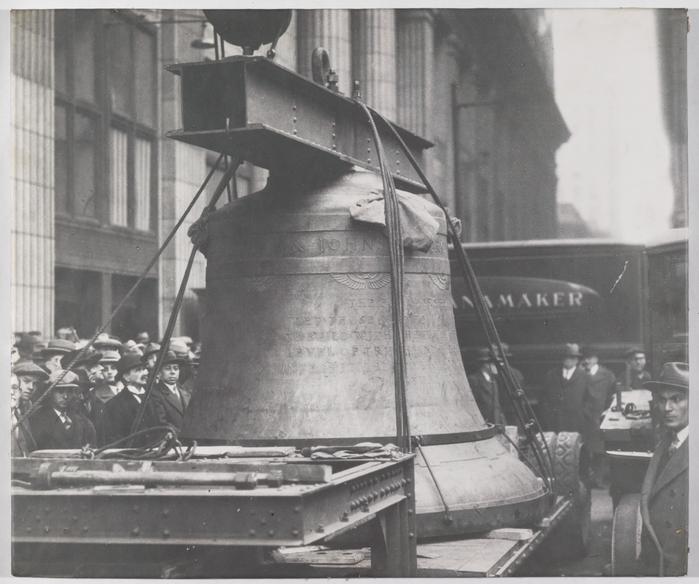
x=638, y=362
x=94, y=373
x=14, y=355
x=26, y=386
x=170, y=373
x=143, y=338
x=150, y=360
x=590, y=361
x=136, y=376
x=673, y=405
x=61, y=397
x=53, y=363
x=14, y=391
x=110, y=372
x=569, y=362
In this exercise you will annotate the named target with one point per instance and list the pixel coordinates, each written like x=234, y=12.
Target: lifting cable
x=128, y=295
x=165, y=341
x=396, y=260
x=525, y=414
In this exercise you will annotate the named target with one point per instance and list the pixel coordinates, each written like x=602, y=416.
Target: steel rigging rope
x=521, y=405
x=396, y=259
x=128, y=295
x=165, y=341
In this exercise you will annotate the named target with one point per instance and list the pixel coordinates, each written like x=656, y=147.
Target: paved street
x=599, y=555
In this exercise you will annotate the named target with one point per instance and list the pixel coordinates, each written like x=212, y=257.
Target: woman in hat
x=54, y=425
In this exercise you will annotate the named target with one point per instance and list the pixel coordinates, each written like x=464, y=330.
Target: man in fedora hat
x=170, y=399
x=105, y=389
x=601, y=384
x=484, y=386
x=665, y=489
x=120, y=412
x=54, y=424
x=31, y=379
x=54, y=352
x=636, y=374
x=564, y=393
x=89, y=371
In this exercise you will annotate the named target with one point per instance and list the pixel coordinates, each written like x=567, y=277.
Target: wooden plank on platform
x=467, y=557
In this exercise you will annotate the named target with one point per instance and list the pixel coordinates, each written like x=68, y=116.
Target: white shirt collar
x=594, y=369
x=682, y=436
x=568, y=373
x=486, y=375
x=62, y=415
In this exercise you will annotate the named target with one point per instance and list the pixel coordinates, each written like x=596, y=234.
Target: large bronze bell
x=297, y=349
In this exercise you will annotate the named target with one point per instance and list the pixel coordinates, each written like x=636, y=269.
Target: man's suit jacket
x=49, y=432
x=665, y=491
x=119, y=415
x=563, y=400
x=600, y=390
x=22, y=439
x=487, y=394
x=98, y=398
x=169, y=409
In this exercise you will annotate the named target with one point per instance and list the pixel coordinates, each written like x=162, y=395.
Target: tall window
x=105, y=72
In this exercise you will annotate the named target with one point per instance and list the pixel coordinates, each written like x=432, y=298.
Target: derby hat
x=483, y=355
x=70, y=380
x=632, y=351
x=110, y=357
x=89, y=358
x=104, y=342
x=58, y=347
x=129, y=361
x=171, y=358
x=590, y=351
x=29, y=369
x=571, y=350
x=672, y=376
x=151, y=348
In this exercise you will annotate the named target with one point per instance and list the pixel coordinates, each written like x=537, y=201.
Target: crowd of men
x=574, y=396
x=99, y=400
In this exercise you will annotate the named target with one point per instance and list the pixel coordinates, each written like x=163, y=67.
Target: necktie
x=66, y=422
x=674, y=445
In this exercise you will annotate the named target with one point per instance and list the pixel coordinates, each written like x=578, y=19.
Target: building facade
x=97, y=186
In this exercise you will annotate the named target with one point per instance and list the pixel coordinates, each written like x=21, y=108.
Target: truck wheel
x=572, y=538
x=626, y=536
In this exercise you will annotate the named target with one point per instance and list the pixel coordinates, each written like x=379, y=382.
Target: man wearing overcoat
x=665, y=490
x=564, y=394
x=169, y=398
x=485, y=388
x=54, y=424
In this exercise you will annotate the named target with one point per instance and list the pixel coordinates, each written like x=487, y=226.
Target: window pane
x=62, y=35
x=120, y=66
x=85, y=147
x=84, y=54
x=145, y=74
x=60, y=166
x=118, y=199
x=142, y=182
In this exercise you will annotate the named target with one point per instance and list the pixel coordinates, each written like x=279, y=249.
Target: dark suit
x=97, y=399
x=487, y=394
x=168, y=407
x=636, y=379
x=665, y=491
x=119, y=415
x=49, y=431
x=600, y=390
x=22, y=439
x=562, y=403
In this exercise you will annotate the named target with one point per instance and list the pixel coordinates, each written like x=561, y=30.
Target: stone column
x=329, y=29
x=374, y=58
x=415, y=70
x=182, y=170
x=31, y=171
